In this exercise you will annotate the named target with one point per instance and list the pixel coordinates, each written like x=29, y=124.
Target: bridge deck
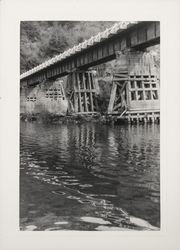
x=96, y=50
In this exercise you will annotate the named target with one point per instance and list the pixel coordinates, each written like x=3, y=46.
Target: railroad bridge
x=134, y=83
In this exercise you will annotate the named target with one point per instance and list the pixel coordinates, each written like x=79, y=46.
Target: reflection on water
x=89, y=177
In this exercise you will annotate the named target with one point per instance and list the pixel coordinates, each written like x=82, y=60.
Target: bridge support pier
x=81, y=92
x=48, y=97
x=135, y=88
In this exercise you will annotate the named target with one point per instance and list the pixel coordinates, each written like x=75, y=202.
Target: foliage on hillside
x=41, y=40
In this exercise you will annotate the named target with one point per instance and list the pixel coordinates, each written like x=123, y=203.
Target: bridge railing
x=84, y=45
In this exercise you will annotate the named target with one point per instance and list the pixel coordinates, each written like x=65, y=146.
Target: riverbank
x=73, y=118
x=49, y=118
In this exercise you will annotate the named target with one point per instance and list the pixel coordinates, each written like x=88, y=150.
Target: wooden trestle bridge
x=135, y=83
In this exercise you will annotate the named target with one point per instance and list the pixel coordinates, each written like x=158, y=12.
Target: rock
x=95, y=220
x=30, y=228
x=61, y=223
x=142, y=223
x=106, y=228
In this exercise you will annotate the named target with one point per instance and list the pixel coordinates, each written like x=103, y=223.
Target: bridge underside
x=137, y=37
x=134, y=91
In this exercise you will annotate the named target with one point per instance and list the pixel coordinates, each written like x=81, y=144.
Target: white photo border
x=14, y=11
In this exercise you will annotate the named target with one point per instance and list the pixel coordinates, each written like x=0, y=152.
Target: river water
x=89, y=177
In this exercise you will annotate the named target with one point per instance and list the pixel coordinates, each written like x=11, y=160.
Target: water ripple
x=109, y=173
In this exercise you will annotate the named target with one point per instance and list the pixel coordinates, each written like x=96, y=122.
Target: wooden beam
x=74, y=81
x=91, y=96
x=85, y=95
x=79, y=94
x=112, y=97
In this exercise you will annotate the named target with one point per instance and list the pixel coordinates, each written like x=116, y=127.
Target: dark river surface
x=89, y=177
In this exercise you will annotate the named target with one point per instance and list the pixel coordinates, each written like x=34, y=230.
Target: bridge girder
x=138, y=37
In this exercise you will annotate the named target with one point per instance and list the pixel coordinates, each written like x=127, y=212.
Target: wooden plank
x=86, y=57
x=89, y=112
x=111, y=48
x=85, y=95
x=62, y=90
x=123, y=44
x=157, y=29
x=81, y=59
x=100, y=53
x=112, y=98
x=75, y=102
x=120, y=79
x=117, y=106
x=117, y=45
x=56, y=70
x=123, y=101
x=153, y=118
x=95, y=56
x=79, y=93
x=53, y=72
x=118, y=83
x=142, y=111
x=65, y=66
x=151, y=31
x=105, y=50
x=74, y=82
x=142, y=35
x=128, y=93
x=93, y=82
x=123, y=86
x=124, y=74
x=134, y=38
x=91, y=96
x=91, y=56
x=124, y=111
x=86, y=91
x=141, y=78
x=78, y=61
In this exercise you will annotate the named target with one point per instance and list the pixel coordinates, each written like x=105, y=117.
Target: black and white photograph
x=90, y=125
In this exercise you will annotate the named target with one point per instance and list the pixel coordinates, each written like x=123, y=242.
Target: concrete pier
x=48, y=96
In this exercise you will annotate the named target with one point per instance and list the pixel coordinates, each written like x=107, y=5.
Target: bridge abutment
x=135, y=87
x=46, y=97
x=81, y=92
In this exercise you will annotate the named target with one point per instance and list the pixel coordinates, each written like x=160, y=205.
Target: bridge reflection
x=105, y=169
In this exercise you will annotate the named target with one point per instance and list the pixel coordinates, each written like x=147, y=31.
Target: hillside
x=41, y=40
